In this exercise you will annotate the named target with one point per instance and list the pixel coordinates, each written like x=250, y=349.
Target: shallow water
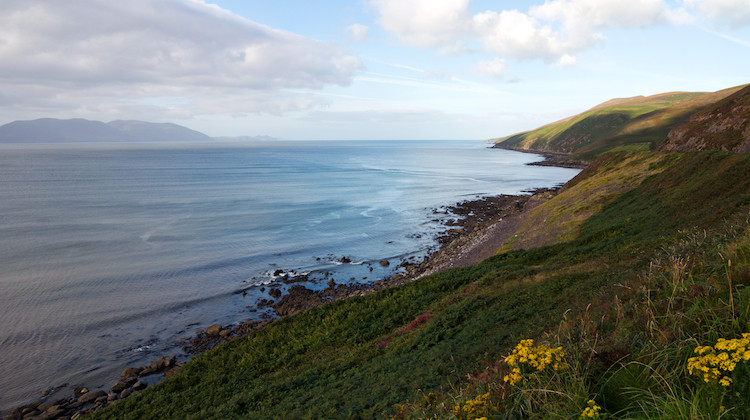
x=109, y=254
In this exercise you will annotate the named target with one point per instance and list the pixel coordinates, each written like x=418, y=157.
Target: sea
x=110, y=254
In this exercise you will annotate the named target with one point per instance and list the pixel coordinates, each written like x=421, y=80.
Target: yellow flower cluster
x=592, y=411
x=471, y=408
x=526, y=356
x=715, y=363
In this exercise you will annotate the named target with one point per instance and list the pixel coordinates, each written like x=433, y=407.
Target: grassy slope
x=360, y=357
x=626, y=124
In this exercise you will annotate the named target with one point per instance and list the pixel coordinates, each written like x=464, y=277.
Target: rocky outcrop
x=724, y=125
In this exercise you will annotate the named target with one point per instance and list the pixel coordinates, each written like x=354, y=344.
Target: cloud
x=734, y=12
x=424, y=23
x=119, y=52
x=357, y=32
x=553, y=31
x=495, y=68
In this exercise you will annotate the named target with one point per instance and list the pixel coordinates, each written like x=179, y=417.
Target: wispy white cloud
x=91, y=51
x=494, y=68
x=358, y=32
x=734, y=12
x=727, y=37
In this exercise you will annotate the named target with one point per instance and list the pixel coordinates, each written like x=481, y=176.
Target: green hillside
x=643, y=273
x=640, y=123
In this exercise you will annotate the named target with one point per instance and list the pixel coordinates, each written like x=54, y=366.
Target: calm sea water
x=110, y=254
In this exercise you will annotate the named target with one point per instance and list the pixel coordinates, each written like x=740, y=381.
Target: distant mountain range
x=50, y=130
x=646, y=123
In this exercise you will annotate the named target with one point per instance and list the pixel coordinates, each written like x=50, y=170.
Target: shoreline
x=482, y=225
x=558, y=159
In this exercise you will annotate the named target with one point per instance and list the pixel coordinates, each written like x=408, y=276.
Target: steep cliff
x=724, y=125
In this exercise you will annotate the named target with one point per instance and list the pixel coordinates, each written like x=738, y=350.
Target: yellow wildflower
x=526, y=357
x=713, y=362
x=592, y=411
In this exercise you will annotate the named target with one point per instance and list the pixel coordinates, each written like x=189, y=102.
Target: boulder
x=213, y=330
x=45, y=406
x=32, y=413
x=385, y=263
x=51, y=414
x=80, y=390
x=120, y=386
x=130, y=372
x=140, y=385
x=92, y=396
x=274, y=293
x=148, y=371
x=163, y=362
x=126, y=393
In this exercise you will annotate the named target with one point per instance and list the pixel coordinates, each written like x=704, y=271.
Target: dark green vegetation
x=647, y=278
x=621, y=124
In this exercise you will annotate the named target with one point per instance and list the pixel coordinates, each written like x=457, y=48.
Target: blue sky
x=360, y=69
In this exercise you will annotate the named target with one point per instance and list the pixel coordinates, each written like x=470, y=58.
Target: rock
x=80, y=390
x=139, y=386
x=332, y=283
x=225, y=333
x=112, y=396
x=119, y=386
x=166, y=362
x=274, y=293
x=148, y=371
x=126, y=393
x=297, y=299
x=51, y=414
x=31, y=414
x=45, y=406
x=26, y=410
x=345, y=260
x=91, y=396
x=130, y=372
x=385, y=263
x=213, y=330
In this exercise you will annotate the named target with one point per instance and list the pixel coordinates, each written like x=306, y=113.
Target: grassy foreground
x=657, y=267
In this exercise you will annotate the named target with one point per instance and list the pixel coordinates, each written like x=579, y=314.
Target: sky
x=359, y=69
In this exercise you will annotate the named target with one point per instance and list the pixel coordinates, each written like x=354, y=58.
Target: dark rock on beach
x=274, y=293
x=213, y=330
x=91, y=396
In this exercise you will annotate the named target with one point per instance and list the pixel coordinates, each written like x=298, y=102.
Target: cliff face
x=724, y=125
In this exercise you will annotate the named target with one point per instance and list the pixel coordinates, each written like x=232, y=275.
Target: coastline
x=481, y=226
x=558, y=159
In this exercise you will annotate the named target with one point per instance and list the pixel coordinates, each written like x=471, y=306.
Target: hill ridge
x=53, y=130
x=620, y=124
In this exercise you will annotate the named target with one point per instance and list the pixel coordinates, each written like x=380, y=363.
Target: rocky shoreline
x=475, y=230
x=558, y=159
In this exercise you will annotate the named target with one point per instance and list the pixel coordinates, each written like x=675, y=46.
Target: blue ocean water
x=111, y=253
